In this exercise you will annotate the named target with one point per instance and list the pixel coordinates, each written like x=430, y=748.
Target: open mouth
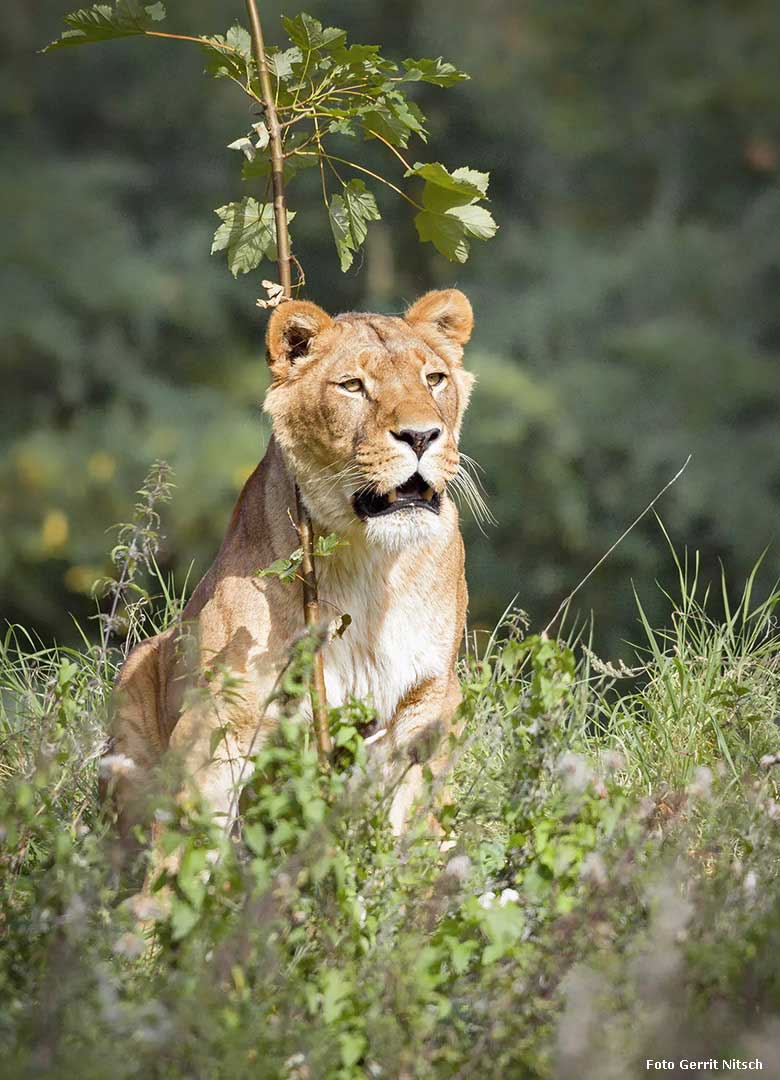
x=413, y=493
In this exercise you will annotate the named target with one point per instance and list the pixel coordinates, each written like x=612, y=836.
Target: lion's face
x=367, y=410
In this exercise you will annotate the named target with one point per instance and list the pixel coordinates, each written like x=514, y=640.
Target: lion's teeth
x=392, y=496
x=428, y=494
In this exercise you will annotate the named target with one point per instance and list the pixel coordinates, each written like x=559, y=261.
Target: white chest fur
x=393, y=642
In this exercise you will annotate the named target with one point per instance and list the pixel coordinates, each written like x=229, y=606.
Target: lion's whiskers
x=349, y=472
x=465, y=486
x=466, y=489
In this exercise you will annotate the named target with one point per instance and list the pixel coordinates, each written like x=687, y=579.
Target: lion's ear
x=291, y=332
x=447, y=311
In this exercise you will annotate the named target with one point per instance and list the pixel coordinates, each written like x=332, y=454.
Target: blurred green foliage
x=608, y=890
x=626, y=311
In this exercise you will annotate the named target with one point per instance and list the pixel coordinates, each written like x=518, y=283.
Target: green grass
x=610, y=890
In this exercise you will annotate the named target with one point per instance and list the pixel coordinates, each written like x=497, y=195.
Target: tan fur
x=400, y=577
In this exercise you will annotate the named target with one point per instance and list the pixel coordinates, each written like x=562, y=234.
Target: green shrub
x=607, y=887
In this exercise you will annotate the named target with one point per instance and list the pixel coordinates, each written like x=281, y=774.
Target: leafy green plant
x=593, y=896
x=288, y=570
x=328, y=94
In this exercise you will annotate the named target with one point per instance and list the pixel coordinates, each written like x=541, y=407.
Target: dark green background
x=627, y=312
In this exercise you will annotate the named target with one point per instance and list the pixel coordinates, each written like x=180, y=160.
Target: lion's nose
x=418, y=440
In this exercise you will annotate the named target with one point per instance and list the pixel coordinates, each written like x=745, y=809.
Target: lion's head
x=367, y=410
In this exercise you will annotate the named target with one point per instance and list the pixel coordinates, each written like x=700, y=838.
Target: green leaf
x=189, y=878
x=476, y=220
x=395, y=119
x=239, y=39
x=285, y=569
x=438, y=72
x=260, y=167
x=247, y=234
x=450, y=216
x=217, y=736
x=309, y=34
x=343, y=126
x=280, y=62
x=326, y=545
x=344, y=735
x=229, y=56
x=256, y=838
x=104, y=22
x=445, y=233
x=502, y=926
x=336, y=988
x=349, y=215
x=359, y=56
x=183, y=919
x=464, y=182
x=339, y=226
x=361, y=208
x=353, y=1046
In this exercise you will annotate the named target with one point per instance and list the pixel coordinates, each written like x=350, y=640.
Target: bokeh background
x=627, y=312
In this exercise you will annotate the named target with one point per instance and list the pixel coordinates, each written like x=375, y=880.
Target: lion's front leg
x=418, y=737
x=210, y=749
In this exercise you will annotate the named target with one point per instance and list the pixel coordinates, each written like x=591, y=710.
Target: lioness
x=366, y=412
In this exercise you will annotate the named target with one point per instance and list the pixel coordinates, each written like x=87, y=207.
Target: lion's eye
x=352, y=386
x=436, y=378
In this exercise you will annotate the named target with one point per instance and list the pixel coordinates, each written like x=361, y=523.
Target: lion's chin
x=395, y=532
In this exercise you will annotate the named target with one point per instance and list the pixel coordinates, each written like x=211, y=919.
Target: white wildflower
x=296, y=1067
x=594, y=869
x=459, y=867
x=113, y=765
x=130, y=946
x=613, y=761
x=145, y=908
x=508, y=896
x=487, y=900
x=575, y=771
x=75, y=911
x=701, y=785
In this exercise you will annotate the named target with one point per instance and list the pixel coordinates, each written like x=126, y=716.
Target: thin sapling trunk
x=311, y=607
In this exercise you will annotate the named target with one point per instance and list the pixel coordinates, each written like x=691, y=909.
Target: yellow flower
x=101, y=466
x=80, y=579
x=54, y=531
x=31, y=469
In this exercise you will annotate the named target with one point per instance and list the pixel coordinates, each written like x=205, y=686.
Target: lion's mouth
x=412, y=494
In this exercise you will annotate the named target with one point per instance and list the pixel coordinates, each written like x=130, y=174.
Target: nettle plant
x=327, y=94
